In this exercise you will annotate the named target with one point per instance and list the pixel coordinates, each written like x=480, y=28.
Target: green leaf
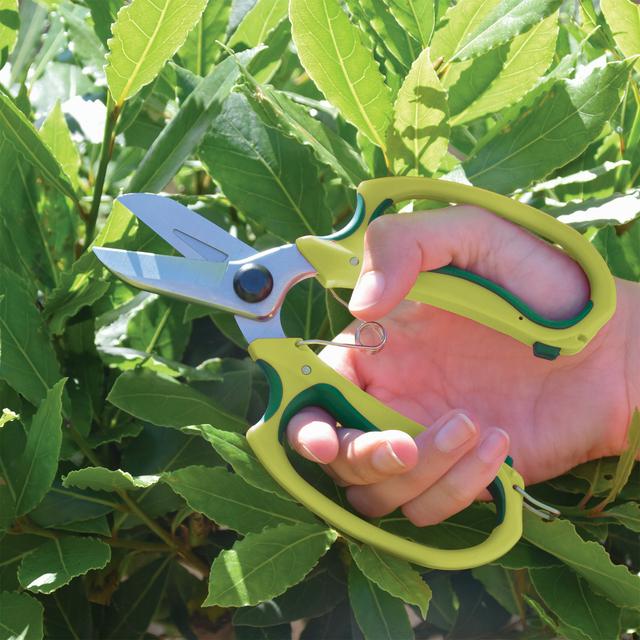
x=9, y=24
x=21, y=617
x=270, y=177
x=627, y=514
x=227, y=499
x=259, y=22
x=101, y=479
x=235, y=450
x=331, y=51
x=277, y=632
x=277, y=109
x=98, y=526
x=379, y=615
x=504, y=22
x=30, y=472
x=104, y=14
x=167, y=403
x=559, y=126
x=419, y=137
x=499, y=78
x=187, y=128
x=416, y=16
x=266, y=564
x=145, y=35
x=588, y=559
x=23, y=137
x=201, y=49
x=501, y=585
x=67, y=614
x=575, y=604
x=12, y=550
x=617, y=209
x=55, y=133
x=394, y=576
x=620, y=251
x=59, y=561
x=623, y=17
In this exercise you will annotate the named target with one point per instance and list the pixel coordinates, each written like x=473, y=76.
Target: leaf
x=394, y=576
x=98, y=526
x=12, y=550
x=270, y=177
x=331, y=51
x=617, y=209
x=502, y=586
x=104, y=14
x=201, y=49
x=558, y=127
x=620, y=251
x=187, y=128
x=416, y=16
x=504, y=22
x=588, y=559
x=227, y=499
x=575, y=604
x=23, y=137
x=59, y=561
x=55, y=133
x=264, y=565
x=627, y=514
x=236, y=451
x=379, y=615
x=277, y=632
x=21, y=617
x=256, y=25
x=9, y=24
x=145, y=35
x=135, y=602
x=67, y=614
x=419, y=137
x=167, y=403
x=30, y=472
x=101, y=479
x=505, y=74
x=623, y=17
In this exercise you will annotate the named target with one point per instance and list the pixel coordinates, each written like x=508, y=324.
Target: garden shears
x=221, y=271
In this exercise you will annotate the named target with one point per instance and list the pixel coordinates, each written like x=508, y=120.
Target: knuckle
x=459, y=495
x=415, y=514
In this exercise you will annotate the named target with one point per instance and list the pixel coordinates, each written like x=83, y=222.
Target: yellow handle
x=338, y=259
x=298, y=378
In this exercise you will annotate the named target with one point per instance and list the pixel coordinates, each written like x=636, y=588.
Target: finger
x=312, y=434
x=365, y=458
x=439, y=448
x=457, y=489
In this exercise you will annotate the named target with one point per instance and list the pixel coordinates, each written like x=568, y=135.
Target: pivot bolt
x=253, y=282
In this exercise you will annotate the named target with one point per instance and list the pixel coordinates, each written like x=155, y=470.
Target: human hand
x=481, y=394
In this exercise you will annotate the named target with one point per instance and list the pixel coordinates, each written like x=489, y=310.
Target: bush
x=131, y=504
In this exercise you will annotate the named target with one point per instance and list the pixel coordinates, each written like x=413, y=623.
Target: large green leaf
x=379, y=615
x=558, y=128
x=68, y=613
x=227, y=499
x=167, y=402
x=332, y=52
x=575, y=604
x=266, y=564
x=621, y=251
x=259, y=22
x=507, y=20
x=29, y=473
x=502, y=585
x=627, y=514
x=187, y=128
x=12, y=550
x=102, y=479
x=59, y=561
x=9, y=23
x=270, y=177
x=393, y=575
x=21, y=617
x=145, y=35
x=23, y=137
x=27, y=360
x=587, y=558
x=416, y=16
x=623, y=17
x=419, y=137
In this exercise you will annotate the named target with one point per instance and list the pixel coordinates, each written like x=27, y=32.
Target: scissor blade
x=189, y=233
x=189, y=280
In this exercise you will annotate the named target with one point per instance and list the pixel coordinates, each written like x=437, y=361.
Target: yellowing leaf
x=145, y=35
x=623, y=16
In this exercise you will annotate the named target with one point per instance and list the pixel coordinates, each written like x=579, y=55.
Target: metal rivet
x=354, y=261
x=306, y=370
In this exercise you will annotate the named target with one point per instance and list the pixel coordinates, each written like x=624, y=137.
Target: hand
x=481, y=394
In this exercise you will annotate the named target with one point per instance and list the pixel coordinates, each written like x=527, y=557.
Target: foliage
x=128, y=492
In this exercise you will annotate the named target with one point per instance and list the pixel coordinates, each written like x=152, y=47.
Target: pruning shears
x=221, y=271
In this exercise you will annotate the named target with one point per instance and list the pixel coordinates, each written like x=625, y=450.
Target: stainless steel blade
x=188, y=232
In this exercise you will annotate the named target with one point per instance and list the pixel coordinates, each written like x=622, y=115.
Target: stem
x=156, y=336
x=106, y=151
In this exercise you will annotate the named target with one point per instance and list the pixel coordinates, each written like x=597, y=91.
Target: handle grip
x=338, y=257
x=298, y=378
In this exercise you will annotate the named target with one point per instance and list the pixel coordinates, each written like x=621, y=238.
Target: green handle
x=338, y=258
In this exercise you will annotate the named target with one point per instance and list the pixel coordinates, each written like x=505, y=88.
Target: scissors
x=221, y=271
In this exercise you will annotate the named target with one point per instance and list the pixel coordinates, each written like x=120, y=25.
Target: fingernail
x=368, y=290
x=494, y=445
x=385, y=459
x=310, y=454
x=455, y=433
